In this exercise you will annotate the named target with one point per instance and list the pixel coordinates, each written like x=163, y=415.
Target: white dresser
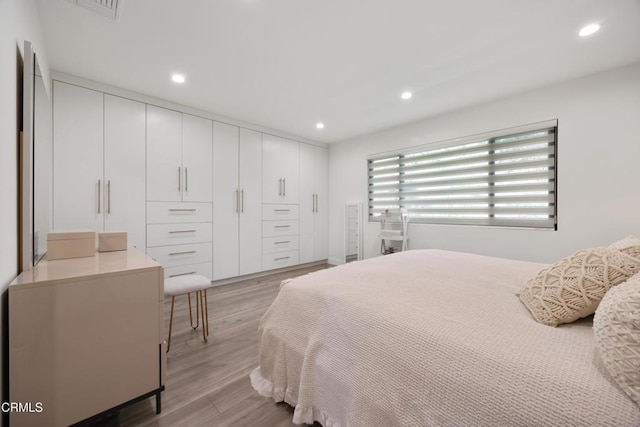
x=280, y=236
x=180, y=237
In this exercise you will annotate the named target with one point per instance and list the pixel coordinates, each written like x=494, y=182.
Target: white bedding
x=430, y=338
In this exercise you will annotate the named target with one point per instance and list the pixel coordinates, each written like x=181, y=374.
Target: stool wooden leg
x=205, y=324
x=190, y=315
x=173, y=301
x=206, y=311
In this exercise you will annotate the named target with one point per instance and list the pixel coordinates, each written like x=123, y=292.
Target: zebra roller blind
x=505, y=178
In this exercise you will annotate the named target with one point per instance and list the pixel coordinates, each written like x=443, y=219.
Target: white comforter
x=430, y=338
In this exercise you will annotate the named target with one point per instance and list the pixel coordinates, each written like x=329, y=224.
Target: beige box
x=108, y=242
x=71, y=245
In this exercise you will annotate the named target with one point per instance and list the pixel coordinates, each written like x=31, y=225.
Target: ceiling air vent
x=108, y=8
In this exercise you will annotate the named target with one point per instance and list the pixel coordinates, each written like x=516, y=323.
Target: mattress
x=430, y=338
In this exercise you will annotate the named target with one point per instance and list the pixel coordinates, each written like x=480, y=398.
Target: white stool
x=186, y=284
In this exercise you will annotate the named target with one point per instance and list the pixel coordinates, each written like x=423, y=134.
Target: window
x=505, y=178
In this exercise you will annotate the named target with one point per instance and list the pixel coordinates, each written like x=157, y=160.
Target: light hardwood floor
x=208, y=383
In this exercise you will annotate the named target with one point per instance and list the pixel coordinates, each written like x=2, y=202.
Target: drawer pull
x=279, y=243
x=182, y=274
x=282, y=210
x=183, y=253
x=281, y=258
x=182, y=210
x=182, y=231
x=282, y=226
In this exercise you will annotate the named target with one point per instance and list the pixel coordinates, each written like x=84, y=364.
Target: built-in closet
x=179, y=191
x=98, y=162
x=200, y=196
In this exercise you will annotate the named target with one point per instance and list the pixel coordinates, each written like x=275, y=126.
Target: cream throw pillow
x=573, y=287
x=616, y=327
x=630, y=245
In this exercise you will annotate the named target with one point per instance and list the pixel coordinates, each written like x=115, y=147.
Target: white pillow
x=616, y=326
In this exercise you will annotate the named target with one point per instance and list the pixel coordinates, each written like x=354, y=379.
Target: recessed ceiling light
x=178, y=78
x=587, y=30
x=406, y=95
x=320, y=125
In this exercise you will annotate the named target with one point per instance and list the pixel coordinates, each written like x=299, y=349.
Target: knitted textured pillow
x=616, y=327
x=630, y=245
x=574, y=286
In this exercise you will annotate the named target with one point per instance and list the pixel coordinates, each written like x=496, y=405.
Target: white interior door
x=164, y=155
x=250, y=201
x=124, y=168
x=197, y=159
x=291, y=171
x=271, y=169
x=321, y=184
x=226, y=196
x=307, y=203
x=77, y=158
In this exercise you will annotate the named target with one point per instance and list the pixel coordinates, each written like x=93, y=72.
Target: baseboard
x=335, y=261
x=268, y=273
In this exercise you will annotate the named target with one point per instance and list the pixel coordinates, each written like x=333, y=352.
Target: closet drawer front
x=178, y=212
x=172, y=256
x=271, y=245
x=203, y=269
x=279, y=228
x=178, y=234
x=278, y=212
x=279, y=260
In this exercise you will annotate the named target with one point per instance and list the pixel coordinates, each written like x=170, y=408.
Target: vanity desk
x=85, y=337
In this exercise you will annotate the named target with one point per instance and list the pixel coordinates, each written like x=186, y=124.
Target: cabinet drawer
x=175, y=255
x=178, y=212
x=279, y=260
x=178, y=234
x=203, y=269
x=271, y=245
x=278, y=212
x=279, y=228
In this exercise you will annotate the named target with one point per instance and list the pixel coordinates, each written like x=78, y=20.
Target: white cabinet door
x=124, y=168
x=290, y=171
x=307, y=203
x=164, y=155
x=271, y=169
x=77, y=158
x=250, y=161
x=197, y=162
x=280, y=169
x=314, y=169
x=321, y=177
x=226, y=206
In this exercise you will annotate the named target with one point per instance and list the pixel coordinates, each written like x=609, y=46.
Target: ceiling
x=287, y=64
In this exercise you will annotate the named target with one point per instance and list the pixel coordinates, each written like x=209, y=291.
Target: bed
x=430, y=338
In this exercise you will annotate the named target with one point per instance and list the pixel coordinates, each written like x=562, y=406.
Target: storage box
x=108, y=242
x=71, y=245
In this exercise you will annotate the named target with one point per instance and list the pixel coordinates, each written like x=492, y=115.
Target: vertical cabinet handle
x=109, y=196
x=280, y=187
x=99, y=194
x=186, y=180
x=179, y=178
x=316, y=202
x=284, y=187
x=237, y=201
x=242, y=200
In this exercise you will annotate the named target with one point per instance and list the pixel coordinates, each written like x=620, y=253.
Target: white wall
x=598, y=169
x=19, y=21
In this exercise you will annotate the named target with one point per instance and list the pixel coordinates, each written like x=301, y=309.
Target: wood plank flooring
x=208, y=383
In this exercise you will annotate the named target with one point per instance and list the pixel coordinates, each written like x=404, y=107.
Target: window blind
x=504, y=178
